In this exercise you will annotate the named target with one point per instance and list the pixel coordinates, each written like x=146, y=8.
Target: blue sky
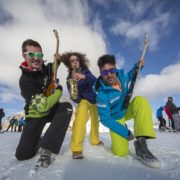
x=94, y=27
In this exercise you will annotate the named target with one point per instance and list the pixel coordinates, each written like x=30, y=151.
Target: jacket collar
x=24, y=67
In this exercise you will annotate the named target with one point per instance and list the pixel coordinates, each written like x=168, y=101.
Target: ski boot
x=144, y=155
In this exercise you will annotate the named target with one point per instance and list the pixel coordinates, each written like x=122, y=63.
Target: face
x=74, y=61
x=34, y=57
x=108, y=74
x=170, y=99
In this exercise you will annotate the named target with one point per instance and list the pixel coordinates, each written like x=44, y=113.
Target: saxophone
x=73, y=86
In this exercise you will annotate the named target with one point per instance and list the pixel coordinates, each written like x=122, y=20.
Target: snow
x=98, y=162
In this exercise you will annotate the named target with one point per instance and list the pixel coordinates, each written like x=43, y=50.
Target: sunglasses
x=74, y=60
x=33, y=55
x=106, y=72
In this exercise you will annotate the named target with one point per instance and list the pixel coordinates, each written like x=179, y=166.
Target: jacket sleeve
x=43, y=104
x=106, y=119
x=172, y=107
x=90, y=78
x=130, y=74
x=38, y=101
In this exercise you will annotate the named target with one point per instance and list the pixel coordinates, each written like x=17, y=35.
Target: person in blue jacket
x=162, y=121
x=21, y=124
x=81, y=80
x=111, y=88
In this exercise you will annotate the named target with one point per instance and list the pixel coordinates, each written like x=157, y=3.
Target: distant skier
x=162, y=121
x=2, y=114
x=21, y=123
x=174, y=110
x=12, y=122
x=16, y=124
x=170, y=118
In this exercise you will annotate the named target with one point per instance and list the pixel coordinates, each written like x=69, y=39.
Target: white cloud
x=134, y=27
x=36, y=19
x=137, y=8
x=120, y=61
x=7, y=94
x=160, y=85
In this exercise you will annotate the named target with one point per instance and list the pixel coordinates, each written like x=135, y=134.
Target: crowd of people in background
x=172, y=113
x=14, y=123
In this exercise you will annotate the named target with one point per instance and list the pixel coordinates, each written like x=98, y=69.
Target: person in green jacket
x=12, y=122
x=40, y=108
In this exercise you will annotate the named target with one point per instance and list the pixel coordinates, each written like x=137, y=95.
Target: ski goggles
x=33, y=55
x=106, y=72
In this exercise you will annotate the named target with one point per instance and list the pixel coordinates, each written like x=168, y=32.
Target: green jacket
x=33, y=85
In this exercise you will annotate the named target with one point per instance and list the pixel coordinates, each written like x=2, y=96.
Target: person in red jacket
x=169, y=115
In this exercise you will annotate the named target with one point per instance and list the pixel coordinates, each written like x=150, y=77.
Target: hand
x=141, y=62
x=58, y=87
x=130, y=136
x=77, y=76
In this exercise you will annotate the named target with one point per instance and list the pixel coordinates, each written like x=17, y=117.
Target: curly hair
x=83, y=61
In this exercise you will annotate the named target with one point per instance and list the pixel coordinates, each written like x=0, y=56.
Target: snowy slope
x=98, y=164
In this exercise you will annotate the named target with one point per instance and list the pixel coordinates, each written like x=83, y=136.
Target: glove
x=130, y=136
x=59, y=87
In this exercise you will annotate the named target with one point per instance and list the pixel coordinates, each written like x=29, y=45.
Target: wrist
x=59, y=87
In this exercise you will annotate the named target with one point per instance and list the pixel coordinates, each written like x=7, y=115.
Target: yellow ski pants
x=139, y=110
x=84, y=111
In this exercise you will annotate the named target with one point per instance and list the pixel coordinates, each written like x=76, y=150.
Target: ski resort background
x=99, y=163
x=19, y=115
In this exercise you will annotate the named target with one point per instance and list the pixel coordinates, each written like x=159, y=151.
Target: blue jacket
x=21, y=121
x=109, y=102
x=85, y=87
x=159, y=112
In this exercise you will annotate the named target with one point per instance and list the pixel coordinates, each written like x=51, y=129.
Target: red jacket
x=168, y=112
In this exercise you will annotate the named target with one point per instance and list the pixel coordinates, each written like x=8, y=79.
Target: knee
x=69, y=108
x=120, y=147
x=65, y=107
x=140, y=100
x=121, y=152
x=24, y=152
x=21, y=156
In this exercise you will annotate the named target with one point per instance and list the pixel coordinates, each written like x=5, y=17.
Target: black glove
x=59, y=87
x=130, y=136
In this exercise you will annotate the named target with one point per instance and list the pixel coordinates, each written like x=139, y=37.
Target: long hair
x=83, y=61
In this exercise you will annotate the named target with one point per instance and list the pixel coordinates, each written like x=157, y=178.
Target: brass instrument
x=73, y=86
